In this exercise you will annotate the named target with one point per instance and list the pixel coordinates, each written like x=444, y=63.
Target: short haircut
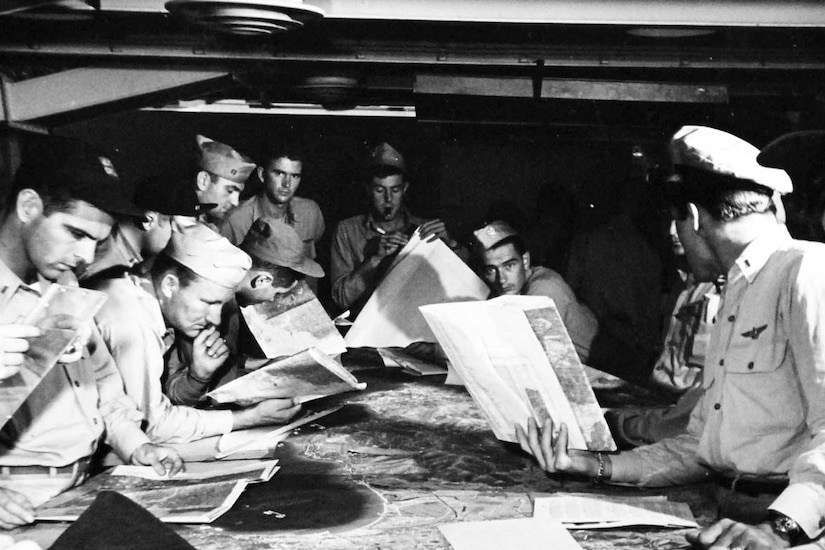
x=291, y=151
x=281, y=276
x=724, y=197
x=515, y=240
x=55, y=193
x=165, y=264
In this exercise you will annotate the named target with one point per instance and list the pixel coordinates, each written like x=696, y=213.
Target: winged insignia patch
x=754, y=332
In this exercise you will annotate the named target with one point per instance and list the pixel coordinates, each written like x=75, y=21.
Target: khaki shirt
x=132, y=325
x=64, y=418
x=763, y=408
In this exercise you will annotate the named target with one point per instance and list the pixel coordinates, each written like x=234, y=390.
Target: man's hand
x=15, y=509
x=13, y=345
x=209, y=352
x=165, y=461
x=389, y=243
x=551, y=451
x=727, y=533
x=7, y=543
x=435, y=229
x=271, y=411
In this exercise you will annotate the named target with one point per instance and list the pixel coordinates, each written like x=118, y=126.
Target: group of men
x=176, y=259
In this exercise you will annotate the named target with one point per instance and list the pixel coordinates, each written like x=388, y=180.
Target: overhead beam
x=597, y=90
x=79, y=89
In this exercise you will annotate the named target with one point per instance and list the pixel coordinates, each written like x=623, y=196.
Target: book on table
x=517, y=361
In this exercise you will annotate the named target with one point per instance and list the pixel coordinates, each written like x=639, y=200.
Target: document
x=305, y=376
x=587, y=511
x=422, y=273
x=517, y=361
x=291, y=323
x=520, y=533
x=62, y=313
x=202, y=496
x=398, y=358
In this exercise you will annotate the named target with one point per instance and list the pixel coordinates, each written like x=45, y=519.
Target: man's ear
x=525, y=259
x=693, y=216
x=203, y=180
x=406, y=186
x=150, y=220
x=169, y=285
x=29, y=205
x=261, y=173
x=261, y=280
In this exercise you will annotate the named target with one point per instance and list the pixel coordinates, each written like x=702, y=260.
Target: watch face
x=784, y=525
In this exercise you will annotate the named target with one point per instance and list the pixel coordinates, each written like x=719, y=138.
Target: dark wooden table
x=404, y=456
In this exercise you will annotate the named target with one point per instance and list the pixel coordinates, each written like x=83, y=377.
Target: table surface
x=402, y=457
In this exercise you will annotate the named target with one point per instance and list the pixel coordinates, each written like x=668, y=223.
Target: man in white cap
x=221, y=177
x=188, y=285
x=281, y=176
x=504, y=264
x=61, y=207
x=759, y=427
x=363, y=246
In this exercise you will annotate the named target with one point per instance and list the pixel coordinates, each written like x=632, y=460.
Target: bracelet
x=599, y=479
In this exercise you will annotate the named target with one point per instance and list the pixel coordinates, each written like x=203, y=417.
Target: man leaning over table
x=182, y=297
x=59, y=210
x=759, y=427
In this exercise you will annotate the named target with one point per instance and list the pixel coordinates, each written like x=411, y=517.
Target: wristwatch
x=785, y=527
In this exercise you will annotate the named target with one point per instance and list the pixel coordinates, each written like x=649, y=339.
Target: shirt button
x=721, y=362
x=94, y=421
x=717, y=406
x=750, y=365
x=732, y=318
x=77, y=383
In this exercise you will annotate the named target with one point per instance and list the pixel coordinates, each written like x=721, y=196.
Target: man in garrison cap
x=144, y=322
x=802, y=155
x=61, y=206
x=363, y=246
x=221, y=177
x=758, y=431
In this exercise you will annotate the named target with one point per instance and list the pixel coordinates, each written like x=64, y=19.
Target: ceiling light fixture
x=246, y=17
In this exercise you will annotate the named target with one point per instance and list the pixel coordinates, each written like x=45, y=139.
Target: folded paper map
x=422, y=273
x=588, y=511
x=520, y=533
x=517, y=361
x=293, y=322
x=305, y=376
x=62, y=313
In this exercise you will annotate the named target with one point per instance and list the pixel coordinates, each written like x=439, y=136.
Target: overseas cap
x=208, y=254
x=82, y=170
x=224, y=161
x=277, y=243
x=799, y=153
x=492, y=234
x=386, y=155
x=721, y=153
x=174, y=197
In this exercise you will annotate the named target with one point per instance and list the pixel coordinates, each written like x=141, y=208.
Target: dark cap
x=385, y=155
x=799, y=153
x=277, y=243
x=68, y=166
x=172, y=197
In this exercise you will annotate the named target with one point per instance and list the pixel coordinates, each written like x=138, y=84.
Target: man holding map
x=759, y=427
x=363, y=246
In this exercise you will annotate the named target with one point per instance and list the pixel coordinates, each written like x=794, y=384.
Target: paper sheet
x=600, y=512
x=291, y=323
x=424, y=273
x=520, y=533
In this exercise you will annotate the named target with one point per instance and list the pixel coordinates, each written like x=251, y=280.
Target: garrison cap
x=801, y=154
x=208, y=254
x=85, y=172
x=222, y=160
x=172, y=197
x=386, y=155
x=277, y=243
x=710, y=150
x=491, y=234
